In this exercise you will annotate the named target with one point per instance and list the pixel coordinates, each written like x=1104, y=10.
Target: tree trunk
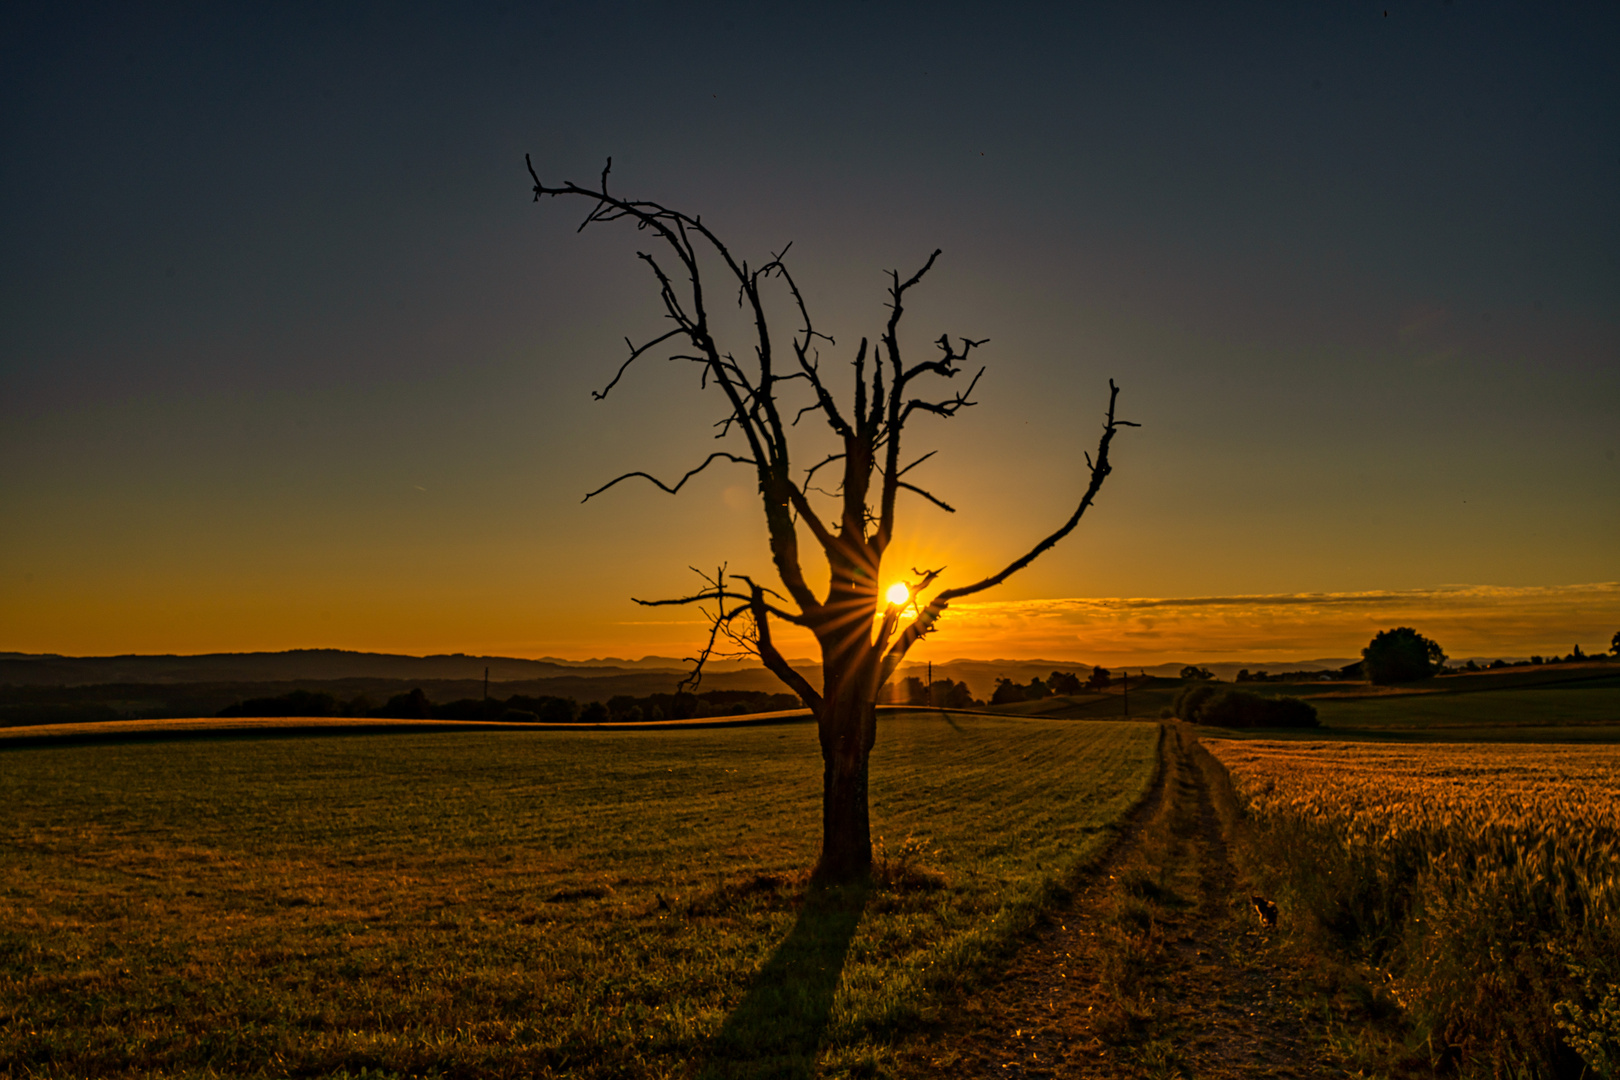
x=846, y=827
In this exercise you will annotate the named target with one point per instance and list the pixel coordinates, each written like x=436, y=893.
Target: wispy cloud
x=1467, y=620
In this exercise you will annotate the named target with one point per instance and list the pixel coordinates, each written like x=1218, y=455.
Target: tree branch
x=672, y=490
x=927, y=616
x=773, y=659
x=941, y=503
x=1099, y=473
x=635, y=353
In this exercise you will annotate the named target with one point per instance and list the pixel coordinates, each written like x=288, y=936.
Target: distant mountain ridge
x=323, y=665
x=329, y=665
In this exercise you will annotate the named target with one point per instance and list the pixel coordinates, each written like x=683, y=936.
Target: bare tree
x=863, y=636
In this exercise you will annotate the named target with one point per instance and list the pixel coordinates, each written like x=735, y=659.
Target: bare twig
x=678, y=484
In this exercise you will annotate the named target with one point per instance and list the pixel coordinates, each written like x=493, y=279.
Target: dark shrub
x=1241, y=709
x=412, y=706
x=556, y=710
x=1065, y=682
x=1191, y=700
x=1006, y=693
x=952, y=695
x=594, y=713
x=469, y=709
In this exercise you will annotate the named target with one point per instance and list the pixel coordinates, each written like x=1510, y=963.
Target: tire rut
x=1156, y=967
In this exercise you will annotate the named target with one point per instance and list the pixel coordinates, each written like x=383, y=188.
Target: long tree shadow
x=775, y=1030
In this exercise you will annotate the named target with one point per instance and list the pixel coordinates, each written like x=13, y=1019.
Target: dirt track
x=1158, y=967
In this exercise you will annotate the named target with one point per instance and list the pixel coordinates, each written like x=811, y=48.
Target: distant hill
x=332, y=665
x=317, y=665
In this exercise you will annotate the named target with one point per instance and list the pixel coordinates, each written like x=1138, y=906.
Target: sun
x=899, y=594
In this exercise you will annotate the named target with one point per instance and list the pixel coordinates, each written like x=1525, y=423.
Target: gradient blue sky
x=289, y=358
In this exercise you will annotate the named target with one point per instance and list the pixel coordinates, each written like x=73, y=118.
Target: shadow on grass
x=776, y=1028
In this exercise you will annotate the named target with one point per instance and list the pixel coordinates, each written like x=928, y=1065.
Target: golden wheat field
x=1409, y=786
x=1483, y=881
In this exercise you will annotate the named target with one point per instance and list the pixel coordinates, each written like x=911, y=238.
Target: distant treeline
x=1573, y=656
x=1059, y=682
x=29, y=704
x=1349, y=671
x=940, y=694
x=520, y=708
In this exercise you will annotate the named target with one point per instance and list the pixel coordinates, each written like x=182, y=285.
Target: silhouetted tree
x=946, y=694
x=1100, y=678
x=1191, y=672
x=1065, y=682
x=1614, y=643
x=769, y=382
x=1007, y=692
x=1401, y=655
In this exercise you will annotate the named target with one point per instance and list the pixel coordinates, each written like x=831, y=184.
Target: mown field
x=1562, y=703
x=1478, y=884
x=521, y=904
x=1587, y=712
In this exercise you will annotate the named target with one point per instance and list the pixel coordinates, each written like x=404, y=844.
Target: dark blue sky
x=288, y=357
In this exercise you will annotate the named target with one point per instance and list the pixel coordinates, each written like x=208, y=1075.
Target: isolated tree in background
x=1401, y=655
x=945, y=694
x=1065, y=682
x=912, y=691
x=1614, y=643
x=1193, y=672
x=1007, y=692
x=769, y=382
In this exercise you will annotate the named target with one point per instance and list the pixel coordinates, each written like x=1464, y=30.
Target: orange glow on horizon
x=1467, y=621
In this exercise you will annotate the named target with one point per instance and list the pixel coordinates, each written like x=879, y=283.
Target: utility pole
x=930, y=682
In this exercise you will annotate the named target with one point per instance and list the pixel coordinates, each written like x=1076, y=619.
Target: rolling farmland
x=550, y=903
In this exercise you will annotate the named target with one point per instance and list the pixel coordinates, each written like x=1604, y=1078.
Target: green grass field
x=521, y=904
x=1564, y=703
x=1552, y=714
x=1147, y=697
